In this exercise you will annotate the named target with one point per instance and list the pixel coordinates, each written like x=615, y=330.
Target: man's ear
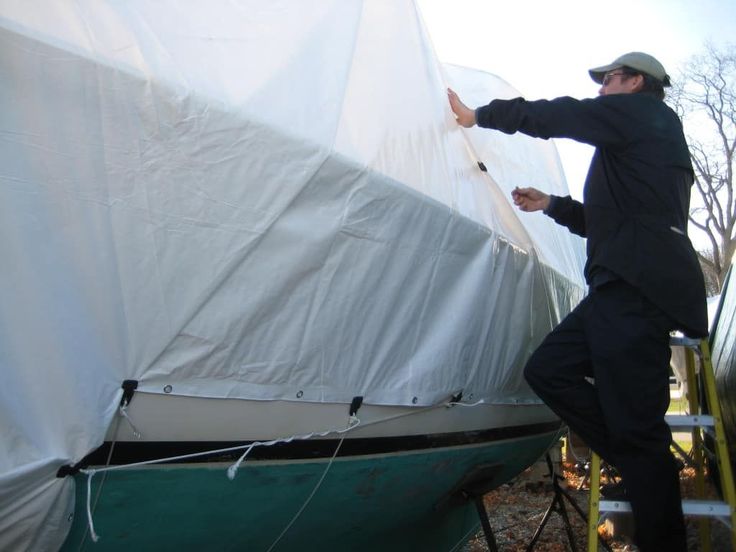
x=637, y=83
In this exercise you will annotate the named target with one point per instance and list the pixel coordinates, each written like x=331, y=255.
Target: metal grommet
x=300, y=394
x=168, y=389
x=414, y=400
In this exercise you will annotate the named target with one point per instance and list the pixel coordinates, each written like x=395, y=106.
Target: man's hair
x=651, y=86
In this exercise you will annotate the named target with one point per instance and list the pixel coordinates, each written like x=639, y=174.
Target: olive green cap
x=636, y=60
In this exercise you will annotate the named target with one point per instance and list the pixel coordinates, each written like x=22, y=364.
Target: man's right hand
x=530, y=199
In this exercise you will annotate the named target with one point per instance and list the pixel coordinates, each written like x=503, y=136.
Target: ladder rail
x=723, y=459
x=693, y=397
x=594, y=502
x=704, y=419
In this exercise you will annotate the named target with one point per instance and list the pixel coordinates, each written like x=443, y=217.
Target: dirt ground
x=517, y=508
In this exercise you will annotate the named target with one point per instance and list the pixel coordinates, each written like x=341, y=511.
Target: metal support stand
x=483, y=515
x=473, y=486
x=558, y=505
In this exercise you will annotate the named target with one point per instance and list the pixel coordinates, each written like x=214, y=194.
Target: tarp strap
x=129, y=387
x=355, y=405
x=69, y=469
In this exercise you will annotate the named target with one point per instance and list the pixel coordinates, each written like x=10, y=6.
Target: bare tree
x=704, y=96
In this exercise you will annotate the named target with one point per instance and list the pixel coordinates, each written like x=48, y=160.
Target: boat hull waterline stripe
x=136, y=451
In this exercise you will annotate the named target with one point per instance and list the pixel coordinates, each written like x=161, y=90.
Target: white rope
x=102, y=481
x=353, y=422
x=498, y=402
x=409, y=413
x=232, y=470
x=92, y=534
x=124, y=413
x=466, y=404
x=168, y=459
x=309, y=498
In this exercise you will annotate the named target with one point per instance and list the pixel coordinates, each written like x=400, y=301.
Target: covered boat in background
x=249, y=239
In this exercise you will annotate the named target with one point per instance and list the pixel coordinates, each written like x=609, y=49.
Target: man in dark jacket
x=643, y=273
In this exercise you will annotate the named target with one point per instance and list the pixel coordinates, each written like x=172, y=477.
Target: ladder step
x=675, y=420
x=712, y=508
x=700, y=374
x=682, y=341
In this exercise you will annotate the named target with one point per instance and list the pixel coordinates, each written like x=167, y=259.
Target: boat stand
x=558, y=505
x=474, y=485
x=484, y=523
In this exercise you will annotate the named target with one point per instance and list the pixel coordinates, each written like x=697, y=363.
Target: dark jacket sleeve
x=567, y=212
x=600, y=121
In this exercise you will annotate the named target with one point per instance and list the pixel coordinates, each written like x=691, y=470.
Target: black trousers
x=621, y=340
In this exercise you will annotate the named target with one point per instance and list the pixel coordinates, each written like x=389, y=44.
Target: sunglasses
x=609, y=77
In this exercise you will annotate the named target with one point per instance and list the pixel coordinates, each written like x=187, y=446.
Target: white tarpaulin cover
x=249, y=200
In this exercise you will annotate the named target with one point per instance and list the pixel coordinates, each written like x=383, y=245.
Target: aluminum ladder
x=705, y=420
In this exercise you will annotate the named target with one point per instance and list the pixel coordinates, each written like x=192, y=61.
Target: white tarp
x=249, y=200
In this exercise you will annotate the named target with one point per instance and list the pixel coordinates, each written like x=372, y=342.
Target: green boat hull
x=401, y=501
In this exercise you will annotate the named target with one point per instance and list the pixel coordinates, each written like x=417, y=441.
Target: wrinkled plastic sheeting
x=180, y=230
x=232, y=200
x=521, y=161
